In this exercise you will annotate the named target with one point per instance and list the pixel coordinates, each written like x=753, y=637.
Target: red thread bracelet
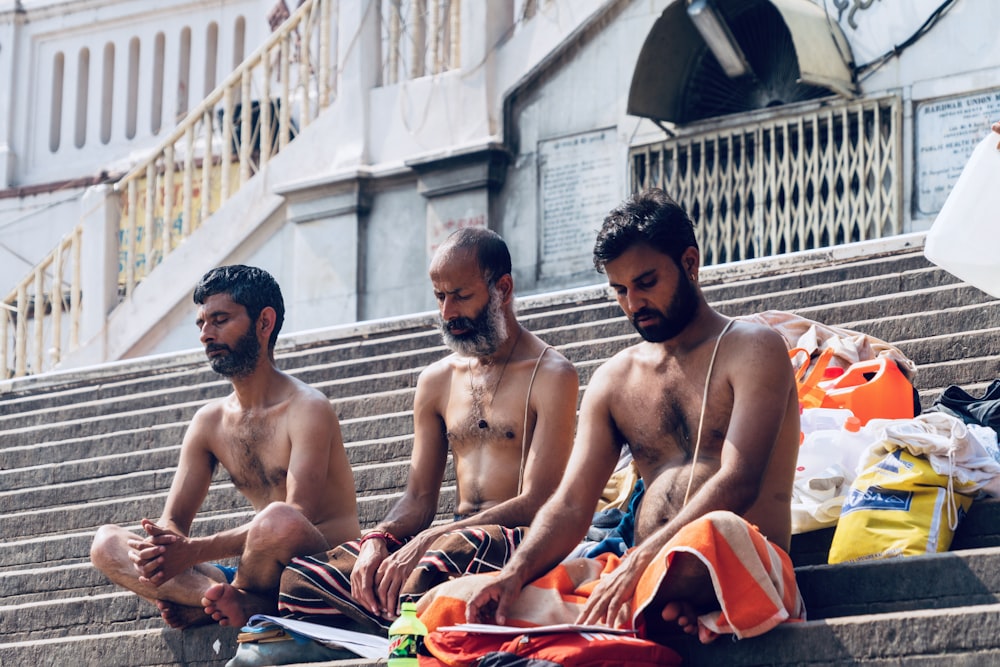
x=383, y=535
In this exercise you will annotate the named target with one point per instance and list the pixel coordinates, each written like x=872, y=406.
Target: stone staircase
x=80, y=449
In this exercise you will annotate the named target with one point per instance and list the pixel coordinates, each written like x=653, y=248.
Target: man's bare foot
x=683, y=614
x=232, y=606
x=180, y=617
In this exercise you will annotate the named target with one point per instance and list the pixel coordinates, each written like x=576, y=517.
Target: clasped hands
x=378, y=576
x=162, y=555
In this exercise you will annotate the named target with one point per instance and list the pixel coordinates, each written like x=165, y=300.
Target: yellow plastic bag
x=898, y=507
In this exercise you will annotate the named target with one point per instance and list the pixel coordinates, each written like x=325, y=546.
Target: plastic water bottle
x=830, y=453
x=406, y=635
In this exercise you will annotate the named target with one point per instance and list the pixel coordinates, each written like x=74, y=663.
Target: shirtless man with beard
x=708, y=407
x=504, y=403
x=280, y=442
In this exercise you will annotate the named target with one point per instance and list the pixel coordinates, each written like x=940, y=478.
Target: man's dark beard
x=242, y=358
x=484, y=332
x=680, y=313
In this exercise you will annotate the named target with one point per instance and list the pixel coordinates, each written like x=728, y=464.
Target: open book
x=488, y=629
x=367, y=646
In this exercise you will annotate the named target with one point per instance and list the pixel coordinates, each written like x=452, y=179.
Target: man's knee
x=108, y=543
x=277, y=525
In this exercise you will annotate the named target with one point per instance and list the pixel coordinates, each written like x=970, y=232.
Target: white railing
x=99, y=80
x=419, y=38
x=221, y=143
x=51, y=290
x=815, y=178
x=214, y=150
x=204, y=161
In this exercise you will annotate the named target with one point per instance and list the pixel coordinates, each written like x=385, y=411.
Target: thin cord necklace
x=483, y=424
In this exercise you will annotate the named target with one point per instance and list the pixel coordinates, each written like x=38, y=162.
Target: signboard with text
x=947, y=131
x=578, y=178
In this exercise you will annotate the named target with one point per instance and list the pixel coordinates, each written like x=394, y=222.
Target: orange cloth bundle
x=753, y=579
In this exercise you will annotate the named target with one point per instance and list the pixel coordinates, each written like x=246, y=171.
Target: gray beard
x=490, y=330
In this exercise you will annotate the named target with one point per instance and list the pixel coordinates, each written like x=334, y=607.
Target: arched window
x=82, y=91
x=55, y=116
x=184, y=73
x=107, y=91
x=156, y=99
x=211, y=57
x=132, y=115
x=239, y=39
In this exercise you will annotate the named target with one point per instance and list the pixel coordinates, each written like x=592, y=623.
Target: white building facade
x=392, y=123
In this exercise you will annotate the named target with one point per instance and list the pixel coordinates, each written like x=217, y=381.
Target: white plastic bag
x=966, y=233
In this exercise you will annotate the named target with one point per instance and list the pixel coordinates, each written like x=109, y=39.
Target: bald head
x=484, y=245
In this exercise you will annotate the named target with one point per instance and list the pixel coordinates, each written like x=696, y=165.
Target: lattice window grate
x=816, y=179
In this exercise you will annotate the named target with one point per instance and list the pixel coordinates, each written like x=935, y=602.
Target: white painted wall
x=958, y=57
x=350, y=221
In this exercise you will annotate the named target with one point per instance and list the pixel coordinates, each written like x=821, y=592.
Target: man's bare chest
x=661, y=420
x=255, y=452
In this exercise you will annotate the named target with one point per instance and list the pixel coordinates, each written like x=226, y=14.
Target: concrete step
x=125, y=451
x=192, y=396
x=50, y=510
x=934, y=581
x=422, y=340
x=81, y=449
x=878, y=306
x=73, y=545
x=933, y=378
x=965, y=635
x=146, y=425
x=979, y=529
x=49, y=582
x=123, y=508
x=207, y=646
x=957, y=636
x=373, y=478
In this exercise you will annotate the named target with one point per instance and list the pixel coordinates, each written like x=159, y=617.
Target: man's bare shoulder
x=755, y=343
x=212, y=412
x=615, y=369
x=307, y=394
x=554, y=363
x=438, y=371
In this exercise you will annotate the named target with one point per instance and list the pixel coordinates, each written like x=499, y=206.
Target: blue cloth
x=621, y=538
x=228, y=572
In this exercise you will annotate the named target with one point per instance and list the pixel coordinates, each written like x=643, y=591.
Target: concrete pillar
x=10, y=33
x=326, y=237
x=483, y=26
x=100, y=214
x=458, y=190
x=359, y=48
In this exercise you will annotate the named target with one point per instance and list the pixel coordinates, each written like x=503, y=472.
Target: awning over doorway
x=674, y=53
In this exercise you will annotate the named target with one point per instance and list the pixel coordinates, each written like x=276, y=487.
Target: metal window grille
x=822, y=177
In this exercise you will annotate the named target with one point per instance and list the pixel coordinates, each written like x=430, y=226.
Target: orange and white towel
x=753, y=580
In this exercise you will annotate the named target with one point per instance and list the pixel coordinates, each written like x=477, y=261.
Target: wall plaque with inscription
x=578, y=179
x=948, y=130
